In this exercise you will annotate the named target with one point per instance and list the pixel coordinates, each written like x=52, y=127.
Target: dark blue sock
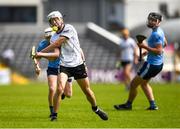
x=129, y=103
x=94, y=108
x=54, y=114
x=152, y=103
x=51, y=109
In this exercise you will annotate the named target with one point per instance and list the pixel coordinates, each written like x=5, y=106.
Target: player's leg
x=149, y=94
x=80, y=75
x=152, y=72
x=52, y=83
x=144, y=74
x=132, y=94
x=127, y=75
x=85, y=86
x=147, y=90
x=133, y=87
x=68, y=88
x=62, y=79
x=138, y=80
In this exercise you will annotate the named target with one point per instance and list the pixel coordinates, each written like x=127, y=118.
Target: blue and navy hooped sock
x=152, y=103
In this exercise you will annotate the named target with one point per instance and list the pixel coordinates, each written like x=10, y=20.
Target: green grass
x=27, y=107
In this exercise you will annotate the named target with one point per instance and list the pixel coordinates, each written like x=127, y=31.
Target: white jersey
x=70, y=51
x=127, y=49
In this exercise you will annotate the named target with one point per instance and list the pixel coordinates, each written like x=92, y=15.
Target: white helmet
x=54, y=14
x=48, y=32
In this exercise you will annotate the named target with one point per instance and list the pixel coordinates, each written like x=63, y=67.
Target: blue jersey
x=156, y=37
x=43, y=44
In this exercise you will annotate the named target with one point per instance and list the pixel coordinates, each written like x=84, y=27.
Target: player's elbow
x=55, y=55
x=56, y=44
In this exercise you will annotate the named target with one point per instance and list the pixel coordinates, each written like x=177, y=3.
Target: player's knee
x=144, y=84
x=133, y=85
x=51, y=89
x=127, y=73
x=60, y=90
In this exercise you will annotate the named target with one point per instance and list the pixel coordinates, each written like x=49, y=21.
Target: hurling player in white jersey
x=128, y=56
x=52, y=71
x=72, y=62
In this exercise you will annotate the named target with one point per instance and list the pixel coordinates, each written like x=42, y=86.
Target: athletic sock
x=63, y=96
x=55, y=114
x=51, y=109
x=152, y=103
x=94, y=108
x=128, y=103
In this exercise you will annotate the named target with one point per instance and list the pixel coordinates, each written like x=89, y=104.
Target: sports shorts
x=52, y=71
x=124, y=63
x=55, y=71
x=147, y=71
x=78, y=72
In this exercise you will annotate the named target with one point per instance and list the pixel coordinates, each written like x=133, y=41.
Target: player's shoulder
x=43, y=42
x=68, y=27
x=160, y=31
x=131, y=40
x=157, y=31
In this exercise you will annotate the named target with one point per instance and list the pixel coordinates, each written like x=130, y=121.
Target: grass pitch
x=27, y=107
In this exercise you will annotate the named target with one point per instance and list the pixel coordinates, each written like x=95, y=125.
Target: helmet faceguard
x=52, y=16
x=154, y=19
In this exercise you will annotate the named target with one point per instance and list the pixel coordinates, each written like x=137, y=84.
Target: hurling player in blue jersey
x=152, y=66
x=52, y=71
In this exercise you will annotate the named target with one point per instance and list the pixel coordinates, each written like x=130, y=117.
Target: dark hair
x=154, y=15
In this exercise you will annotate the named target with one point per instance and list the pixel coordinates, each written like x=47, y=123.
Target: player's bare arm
x=82, y=55
x=165, y=42
x=37, y=67
x=52, y=55
x=144, y=53
x=84, y=60
x=136, y=55
x=158, y=49
x=56, y=44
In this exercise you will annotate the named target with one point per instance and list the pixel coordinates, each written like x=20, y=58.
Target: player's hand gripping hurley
x=140, y=39
x=32, y=56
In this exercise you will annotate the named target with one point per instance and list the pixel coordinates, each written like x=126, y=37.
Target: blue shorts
x=55, y=71
x=52, y=71
x=148, y=71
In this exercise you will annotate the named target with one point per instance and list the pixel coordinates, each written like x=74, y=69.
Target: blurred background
x=98, y=23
